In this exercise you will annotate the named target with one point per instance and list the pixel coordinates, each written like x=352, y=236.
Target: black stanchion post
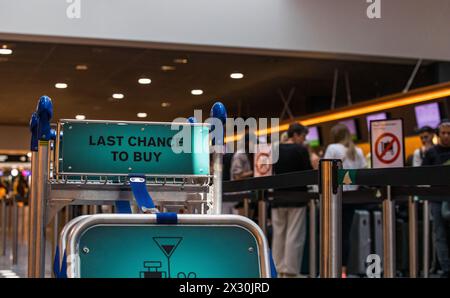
x=330, y=219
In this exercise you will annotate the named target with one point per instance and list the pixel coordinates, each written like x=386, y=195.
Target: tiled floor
x=8, y=270
x=20, y=269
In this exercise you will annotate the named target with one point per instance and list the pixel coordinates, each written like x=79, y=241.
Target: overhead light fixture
x=197, y=92
x=80, y=117
x=14, y=172
x=180, y=61
x=5, y=51
x=142, y=115
x=144, y=81
x=118, y=96
x=236, y=75
x=384, y=103
x=29, y=154
x=61, y=85
x=81, y=67
x=167, y=68
x=165, y=104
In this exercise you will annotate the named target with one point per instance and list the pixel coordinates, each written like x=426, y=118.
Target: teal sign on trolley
x=109, y=251
x=133, y=147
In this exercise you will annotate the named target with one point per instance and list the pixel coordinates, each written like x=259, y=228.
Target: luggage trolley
x=93, y=162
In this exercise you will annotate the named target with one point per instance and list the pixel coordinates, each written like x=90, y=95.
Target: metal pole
x=247, y=207
x=15, y=231
x=413, y=235
x=55, y=235
x=31, y=215
x=4, y=225
x=330, y=219
x=217, y=180
x=312, y=238
x=262, y=212
x=426, y=238
x=389, y=235
x=40, y=212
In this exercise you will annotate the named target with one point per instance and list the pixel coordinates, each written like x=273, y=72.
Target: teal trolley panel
x=122, y=148
x=161, y=251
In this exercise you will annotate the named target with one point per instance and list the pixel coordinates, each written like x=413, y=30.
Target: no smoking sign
x=387, y=148
x=387, y=143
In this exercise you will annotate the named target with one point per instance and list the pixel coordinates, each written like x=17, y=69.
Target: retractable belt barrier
x=403, y=181
x=385, y=186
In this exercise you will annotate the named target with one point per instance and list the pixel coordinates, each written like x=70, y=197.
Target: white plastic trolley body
x=223, y=246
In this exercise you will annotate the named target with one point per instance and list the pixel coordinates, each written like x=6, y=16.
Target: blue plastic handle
x=52, y=134
x=34, y=132
x=219, y=111
x=45, y=114
x=192, y=119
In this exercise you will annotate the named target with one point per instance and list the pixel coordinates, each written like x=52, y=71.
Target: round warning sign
x=387, y=148
x=263, y=160
x=387, y=143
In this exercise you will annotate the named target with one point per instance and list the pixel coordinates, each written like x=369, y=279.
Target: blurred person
x=241, y=168
x=284, y=137
x=288, y=219
x=3, y=188
x=426, y=135
x=342, y=147
x=20, y=189
x=242, y=161
x=440, y=155
x=315, y=158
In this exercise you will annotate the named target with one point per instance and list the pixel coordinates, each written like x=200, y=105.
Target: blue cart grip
x=34, y=132
x=45, y=114
x=219, y=111
x=192, y=119
x=52, y=134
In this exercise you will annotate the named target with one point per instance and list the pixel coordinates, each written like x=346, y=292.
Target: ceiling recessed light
x=80, y=117
x=180, y=60
x=81, y=67
x=236, y=75
x=118, y=96
x=5, y=51
x=14, y=173
x=197, y=92
x=142, y=115
x=61, y=85
x=165, y=104
x=29, y=154
x=167, y=67
x=144, y=81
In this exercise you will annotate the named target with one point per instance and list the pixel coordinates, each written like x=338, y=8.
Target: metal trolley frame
x=52, y=190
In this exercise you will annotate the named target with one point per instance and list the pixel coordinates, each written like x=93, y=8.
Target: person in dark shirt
x=288, y=222
x=440, y=155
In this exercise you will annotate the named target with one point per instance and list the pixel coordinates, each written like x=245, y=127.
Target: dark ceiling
x=34, y=68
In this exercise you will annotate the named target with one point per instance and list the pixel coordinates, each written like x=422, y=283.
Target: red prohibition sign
x=263, y=169
x=390, y=146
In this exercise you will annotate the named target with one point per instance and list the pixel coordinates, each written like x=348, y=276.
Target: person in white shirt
x=426, y=135
x=342, y=147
